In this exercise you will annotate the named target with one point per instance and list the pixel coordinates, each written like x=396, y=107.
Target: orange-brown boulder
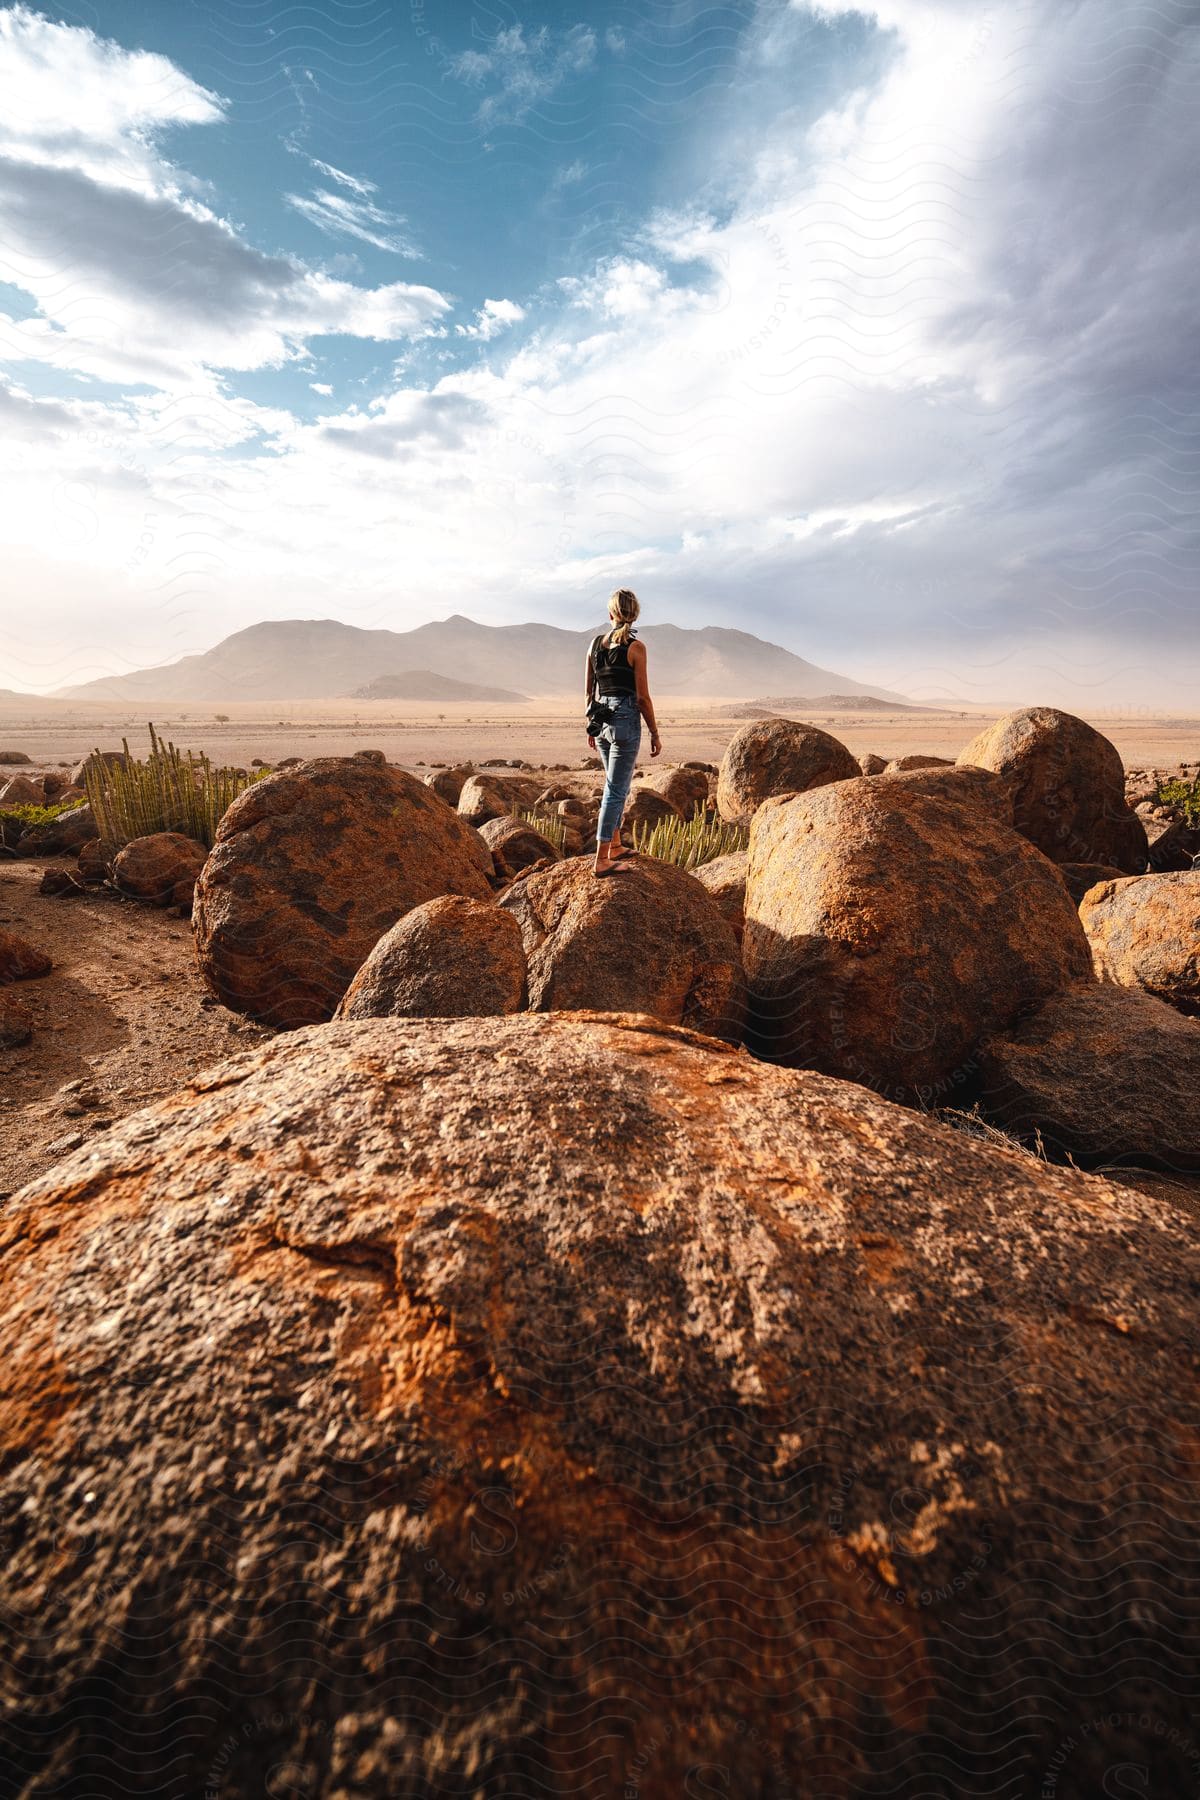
x=887, y=932
x=725, y=879
x=515, y=844
x=646, y=939
x=646, y=807
x=309, y=868
x=1145, y=933
x=448, y=783
x=20, y=790
x=684, y=789
x=901, y=765
x=1068, y=785
x=491, y=796
x=448, y=958
x=95, y=859
x=777, y=756
x=538, y=1406
x=19, y=959
x=151, y=867
x=1103, y=1074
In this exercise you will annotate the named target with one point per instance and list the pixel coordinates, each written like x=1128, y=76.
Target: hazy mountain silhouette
x=322, y=659
x=423, y=684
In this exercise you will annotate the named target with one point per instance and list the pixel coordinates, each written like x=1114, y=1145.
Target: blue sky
x=867, y=329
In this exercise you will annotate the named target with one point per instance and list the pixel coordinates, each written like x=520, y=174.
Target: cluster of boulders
x=898, y=930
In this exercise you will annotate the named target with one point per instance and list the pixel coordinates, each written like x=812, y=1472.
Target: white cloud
x=523, y=72
x=136, y=278
x=72, y=100
x=493, y=317
x=321, y=387
x=360, y=218
x=354, y=182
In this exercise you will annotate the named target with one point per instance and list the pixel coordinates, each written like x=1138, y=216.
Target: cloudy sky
x=871, y=330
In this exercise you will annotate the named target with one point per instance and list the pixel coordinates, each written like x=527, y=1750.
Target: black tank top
x=610, y=666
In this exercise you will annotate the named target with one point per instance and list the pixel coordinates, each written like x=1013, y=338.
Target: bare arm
x=589, y=683
x=637, y=662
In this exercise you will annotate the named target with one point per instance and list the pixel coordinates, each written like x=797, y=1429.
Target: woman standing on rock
x=616, y=678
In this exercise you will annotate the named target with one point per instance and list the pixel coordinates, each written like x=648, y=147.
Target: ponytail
x=623, y=608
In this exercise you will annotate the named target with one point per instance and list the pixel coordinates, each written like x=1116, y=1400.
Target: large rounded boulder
x=308, y=870
x=1146, y=933
x=888, y=931
x=448, y=783
x=20, y=790
x=569, y=1405
x=153, y=867
x=492, y=796
x=646, y=939
x=685, y=789
x=777, y=756
x=1068, y=787
x=1106, y=1075
x=448, y=958
x=515, y=844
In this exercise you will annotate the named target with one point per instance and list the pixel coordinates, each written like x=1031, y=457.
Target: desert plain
x=544, y=732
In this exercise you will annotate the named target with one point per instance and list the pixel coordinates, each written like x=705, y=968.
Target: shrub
x=16, y=819
x=549, y=824
x=689, y=842
x=1183, y=797
x=171, y=791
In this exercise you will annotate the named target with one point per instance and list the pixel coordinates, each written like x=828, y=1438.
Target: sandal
x=622, y=854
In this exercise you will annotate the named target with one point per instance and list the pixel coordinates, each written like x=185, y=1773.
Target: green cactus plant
x=689, y=842
x=172, y=790
x=549, y=824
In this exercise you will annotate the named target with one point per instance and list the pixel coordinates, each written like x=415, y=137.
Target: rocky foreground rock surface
x=556, y=1405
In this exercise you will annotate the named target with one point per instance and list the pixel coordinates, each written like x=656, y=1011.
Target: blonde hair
x=623, y=608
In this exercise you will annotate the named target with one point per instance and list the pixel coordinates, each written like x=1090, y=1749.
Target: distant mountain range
x=322, y=659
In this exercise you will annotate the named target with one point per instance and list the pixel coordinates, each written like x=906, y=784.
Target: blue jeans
x=618, y=743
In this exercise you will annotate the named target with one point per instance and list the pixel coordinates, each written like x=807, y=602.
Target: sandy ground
x=120, y=1019
x=543, y=733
